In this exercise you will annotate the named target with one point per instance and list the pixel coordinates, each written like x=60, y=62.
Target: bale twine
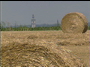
x=74, y=23
x=27, y=55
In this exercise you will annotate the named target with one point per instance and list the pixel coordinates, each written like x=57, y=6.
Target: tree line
x=25, y=28
x=30, y=29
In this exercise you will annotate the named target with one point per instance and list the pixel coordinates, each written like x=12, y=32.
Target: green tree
x=2, y=24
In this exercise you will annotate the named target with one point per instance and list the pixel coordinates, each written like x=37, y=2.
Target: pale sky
x=44, y=11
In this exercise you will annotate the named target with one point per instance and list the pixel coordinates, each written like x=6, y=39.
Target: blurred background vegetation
x=25, y=28
x=7, y=27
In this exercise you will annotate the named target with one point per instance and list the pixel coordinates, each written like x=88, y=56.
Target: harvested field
x=45, y=49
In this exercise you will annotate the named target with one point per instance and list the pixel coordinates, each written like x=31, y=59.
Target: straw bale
x=31, y=55
x=74, y=23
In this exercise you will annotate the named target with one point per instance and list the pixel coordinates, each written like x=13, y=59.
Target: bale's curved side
x=37, y=56
x=85, y=21
x=74, y=23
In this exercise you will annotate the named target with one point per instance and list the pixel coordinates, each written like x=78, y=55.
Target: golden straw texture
x=74, y=23
x=31, y=55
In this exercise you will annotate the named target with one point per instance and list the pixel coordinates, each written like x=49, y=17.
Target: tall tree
x=2, y=24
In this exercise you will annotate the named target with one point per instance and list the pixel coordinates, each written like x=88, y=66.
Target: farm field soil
x=76, y=44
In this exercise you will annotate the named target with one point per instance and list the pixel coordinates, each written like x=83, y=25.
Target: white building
x=33, y=22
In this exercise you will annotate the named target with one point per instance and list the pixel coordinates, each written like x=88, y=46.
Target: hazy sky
x=44, y=11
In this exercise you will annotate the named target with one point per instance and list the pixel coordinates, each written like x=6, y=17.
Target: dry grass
x=82, y=52
x=15, y=42
x=31, y=55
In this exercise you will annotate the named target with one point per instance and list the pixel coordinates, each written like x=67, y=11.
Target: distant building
x=33, y=22
x=58, y=23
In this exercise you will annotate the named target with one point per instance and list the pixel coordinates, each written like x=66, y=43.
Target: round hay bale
x=27, y=55
x=74, y=23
